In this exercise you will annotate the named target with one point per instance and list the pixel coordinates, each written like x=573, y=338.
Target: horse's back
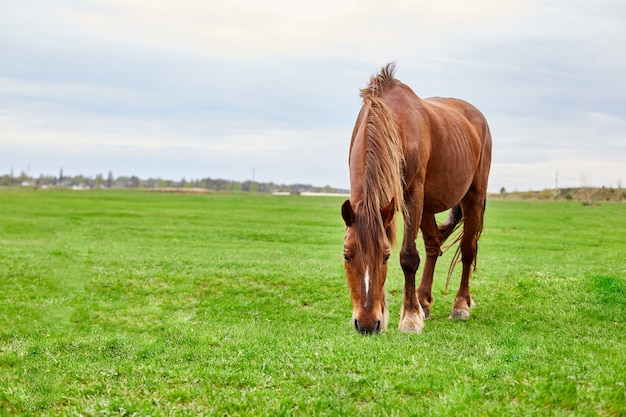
x=459, y=144
x=459, y=111
x=444, y=139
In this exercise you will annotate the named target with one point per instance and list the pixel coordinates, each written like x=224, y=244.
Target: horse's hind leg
x=432, y=243
x=473, y=208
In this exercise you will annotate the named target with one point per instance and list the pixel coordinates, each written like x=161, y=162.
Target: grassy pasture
x=126, y=303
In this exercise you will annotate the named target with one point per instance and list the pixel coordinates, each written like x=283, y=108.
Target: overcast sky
x=197, y=88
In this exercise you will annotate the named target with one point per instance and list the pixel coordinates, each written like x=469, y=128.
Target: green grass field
x=126, y=303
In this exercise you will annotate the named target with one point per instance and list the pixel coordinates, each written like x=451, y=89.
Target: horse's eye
x=385, y=259
x=347, y=258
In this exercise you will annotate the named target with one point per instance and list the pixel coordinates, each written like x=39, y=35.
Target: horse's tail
x=455, y=219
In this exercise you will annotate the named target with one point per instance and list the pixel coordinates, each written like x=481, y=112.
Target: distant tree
x=23, y=177
x=110, y=180
x=234, y=186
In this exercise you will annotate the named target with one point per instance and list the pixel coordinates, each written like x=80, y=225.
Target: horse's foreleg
x=411, y=315
x=432, y=243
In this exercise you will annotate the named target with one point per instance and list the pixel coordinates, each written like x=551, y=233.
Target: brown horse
x=421, y=157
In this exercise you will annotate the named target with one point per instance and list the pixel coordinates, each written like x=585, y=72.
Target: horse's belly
x=447, y=183
x=436, y=202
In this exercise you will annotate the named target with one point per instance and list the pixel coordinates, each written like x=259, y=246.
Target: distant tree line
x=110, y=181
x=587, y=195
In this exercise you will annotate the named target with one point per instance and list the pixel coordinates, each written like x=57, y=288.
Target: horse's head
x=366, y=251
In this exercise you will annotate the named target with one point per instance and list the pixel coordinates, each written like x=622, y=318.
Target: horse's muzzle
x=367, y=328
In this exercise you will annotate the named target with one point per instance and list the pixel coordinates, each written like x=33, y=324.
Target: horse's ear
x=388, y=212
x=347, y=213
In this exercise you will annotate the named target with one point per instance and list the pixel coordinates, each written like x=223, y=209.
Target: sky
x=243, y=89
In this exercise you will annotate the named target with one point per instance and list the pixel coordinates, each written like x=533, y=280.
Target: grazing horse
x=419, y=157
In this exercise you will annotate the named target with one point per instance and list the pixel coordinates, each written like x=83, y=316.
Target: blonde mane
x=384, y=158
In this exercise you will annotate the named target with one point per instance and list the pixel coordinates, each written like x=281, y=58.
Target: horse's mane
x=384, y=158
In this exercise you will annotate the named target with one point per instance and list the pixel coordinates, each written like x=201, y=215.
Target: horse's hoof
x=412, y=323
x=459, y=314
x=461, y=309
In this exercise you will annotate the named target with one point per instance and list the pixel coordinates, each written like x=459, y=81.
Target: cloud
x=213, y=88
x=528, y=152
